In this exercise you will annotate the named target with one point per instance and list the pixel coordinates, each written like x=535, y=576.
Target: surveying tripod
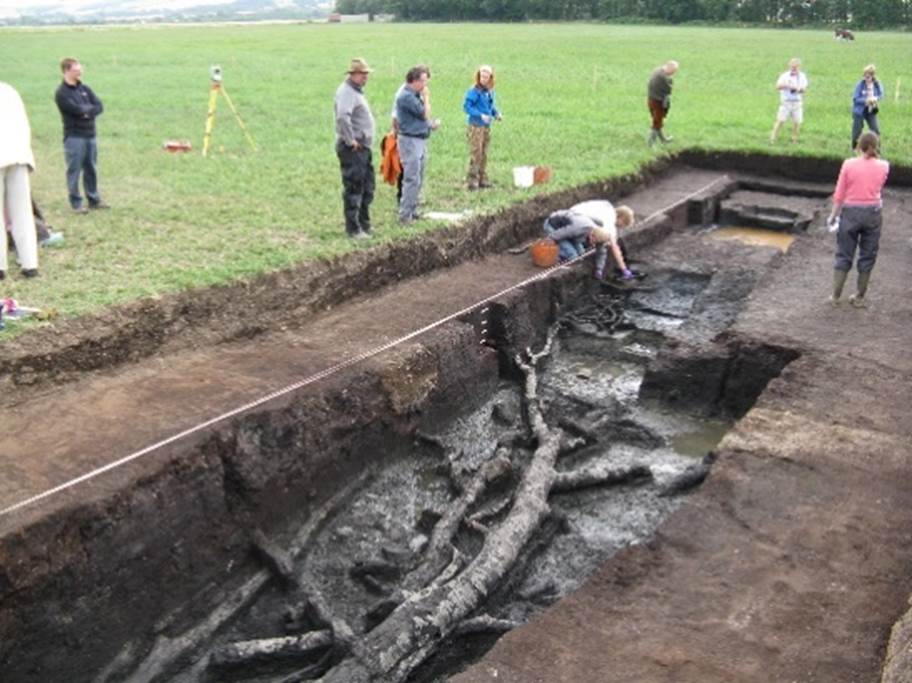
x=215, y=75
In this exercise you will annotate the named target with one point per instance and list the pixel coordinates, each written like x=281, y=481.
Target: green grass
x=572, y=96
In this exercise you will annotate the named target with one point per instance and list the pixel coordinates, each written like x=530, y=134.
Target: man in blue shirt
x=413, y=113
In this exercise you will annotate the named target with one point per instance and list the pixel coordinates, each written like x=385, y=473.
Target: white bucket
x=523, y=176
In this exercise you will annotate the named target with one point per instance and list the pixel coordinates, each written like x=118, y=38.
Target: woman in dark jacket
x=868, y=92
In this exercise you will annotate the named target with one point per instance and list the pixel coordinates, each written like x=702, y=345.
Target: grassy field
x=572, y=97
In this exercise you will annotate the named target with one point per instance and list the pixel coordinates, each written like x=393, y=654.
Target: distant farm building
x=336, y=18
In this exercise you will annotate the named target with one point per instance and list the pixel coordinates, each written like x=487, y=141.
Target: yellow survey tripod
x=215, y=75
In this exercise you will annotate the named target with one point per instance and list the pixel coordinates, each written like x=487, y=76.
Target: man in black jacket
x=79, y=106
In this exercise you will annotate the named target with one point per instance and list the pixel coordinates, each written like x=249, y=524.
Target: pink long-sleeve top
x=860, y=182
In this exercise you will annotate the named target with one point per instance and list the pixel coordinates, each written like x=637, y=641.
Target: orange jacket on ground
x=390, y=164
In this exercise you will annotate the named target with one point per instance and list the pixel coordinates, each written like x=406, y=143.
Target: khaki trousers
x=479, y=138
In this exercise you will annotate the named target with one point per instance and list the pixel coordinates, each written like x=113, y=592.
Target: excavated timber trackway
x=791, y=563
x=794, y=560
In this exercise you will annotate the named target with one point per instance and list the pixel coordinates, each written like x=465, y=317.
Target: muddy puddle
x=758, y=237
x=589, y=386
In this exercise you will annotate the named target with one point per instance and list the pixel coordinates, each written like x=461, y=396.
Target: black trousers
x=859, y=229
x=357, y=186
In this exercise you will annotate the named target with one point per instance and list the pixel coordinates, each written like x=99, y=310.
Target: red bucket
x=544, y=253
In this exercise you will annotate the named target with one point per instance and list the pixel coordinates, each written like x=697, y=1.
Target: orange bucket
x=544, y=253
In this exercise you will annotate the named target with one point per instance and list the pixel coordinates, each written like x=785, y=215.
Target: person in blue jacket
x=481, y=112
x=868, y=92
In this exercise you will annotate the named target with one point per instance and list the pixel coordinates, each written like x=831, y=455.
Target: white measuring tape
x=323, y=374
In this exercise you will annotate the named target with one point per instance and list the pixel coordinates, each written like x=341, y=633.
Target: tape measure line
x=318, y=376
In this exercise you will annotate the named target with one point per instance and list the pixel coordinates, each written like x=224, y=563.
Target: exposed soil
x=791, y=563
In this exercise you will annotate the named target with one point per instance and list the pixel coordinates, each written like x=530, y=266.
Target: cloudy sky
x=79, y=4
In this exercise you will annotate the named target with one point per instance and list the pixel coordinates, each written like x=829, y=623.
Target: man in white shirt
x=791, y=86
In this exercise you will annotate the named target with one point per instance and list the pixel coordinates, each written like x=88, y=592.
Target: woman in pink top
x=858, y=204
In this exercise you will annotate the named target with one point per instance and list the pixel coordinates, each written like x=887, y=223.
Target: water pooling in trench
x=761, y=237
x=589, y=386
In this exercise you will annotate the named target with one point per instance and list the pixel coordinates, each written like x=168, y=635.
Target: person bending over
x=590, y=224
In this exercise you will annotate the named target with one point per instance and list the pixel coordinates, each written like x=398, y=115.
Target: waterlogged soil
x=593, y=378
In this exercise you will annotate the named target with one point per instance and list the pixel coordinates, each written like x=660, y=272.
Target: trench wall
x=79, y=581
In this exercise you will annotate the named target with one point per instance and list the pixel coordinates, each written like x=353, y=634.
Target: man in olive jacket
x=658, y=99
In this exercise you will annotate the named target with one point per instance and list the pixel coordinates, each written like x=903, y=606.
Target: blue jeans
x=81, y=156
x=858, y=123
x=567, y=249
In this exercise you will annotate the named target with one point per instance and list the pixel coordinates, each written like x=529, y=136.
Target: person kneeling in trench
x=595, y=224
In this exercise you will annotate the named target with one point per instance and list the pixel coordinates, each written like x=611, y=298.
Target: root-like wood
x=600, y=474
x=171, y=652
x=418, y=625
x=267, y=650
x=485, y=624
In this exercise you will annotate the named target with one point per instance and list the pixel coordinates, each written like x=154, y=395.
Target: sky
x=78, y=4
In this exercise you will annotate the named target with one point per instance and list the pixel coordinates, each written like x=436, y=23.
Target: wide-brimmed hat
x=358, y=66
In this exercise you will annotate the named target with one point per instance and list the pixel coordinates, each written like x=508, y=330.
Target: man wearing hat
x=354, y=137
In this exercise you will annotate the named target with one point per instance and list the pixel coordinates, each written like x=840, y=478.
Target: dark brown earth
x=791, y=563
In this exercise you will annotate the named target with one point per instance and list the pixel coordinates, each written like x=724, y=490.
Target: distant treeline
x=886, y=14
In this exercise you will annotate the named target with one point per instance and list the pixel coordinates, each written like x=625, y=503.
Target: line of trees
x=888, y=14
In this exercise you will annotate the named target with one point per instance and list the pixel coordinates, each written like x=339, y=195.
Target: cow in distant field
x=843, y=34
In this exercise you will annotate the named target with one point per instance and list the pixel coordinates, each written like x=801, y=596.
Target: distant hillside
x=133, y=11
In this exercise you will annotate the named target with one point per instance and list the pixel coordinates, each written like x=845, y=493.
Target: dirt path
x=792, y=562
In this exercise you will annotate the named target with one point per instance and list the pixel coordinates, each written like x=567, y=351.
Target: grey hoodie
x=354, y=121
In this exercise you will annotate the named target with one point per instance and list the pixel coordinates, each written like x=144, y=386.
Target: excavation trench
x=247, y=551
x=372, y=539
x=369, y=541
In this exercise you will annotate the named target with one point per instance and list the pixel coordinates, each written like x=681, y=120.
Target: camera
x=215, y=73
